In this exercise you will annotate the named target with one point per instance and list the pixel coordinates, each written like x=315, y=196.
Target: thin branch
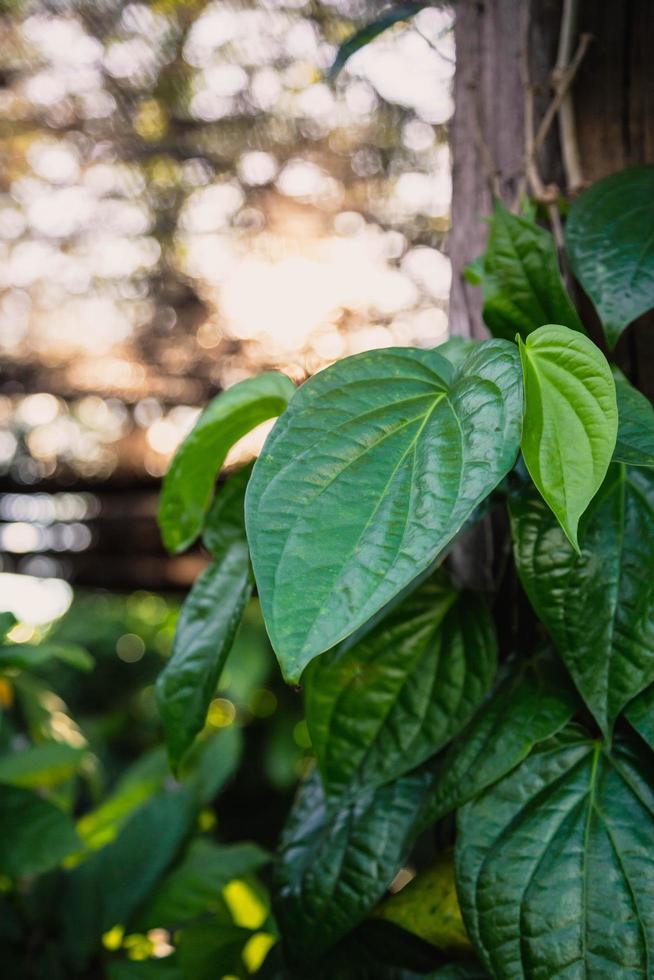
x=567, y=128
x=566, y=80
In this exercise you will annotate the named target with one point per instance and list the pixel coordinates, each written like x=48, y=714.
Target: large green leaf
x=553, y=863
x=571, y=420
x=521, y=280
x=532, y=702
x=35, y=836
x=390, y=17
x=635, y=442
x=610, y=237
x=337, y=859
x=194, y=885
x=204, y=635
x=381, y=707
x=598, y=605
x=640, y=714
x=188, y=486
x=41, y=766
x=368, y=475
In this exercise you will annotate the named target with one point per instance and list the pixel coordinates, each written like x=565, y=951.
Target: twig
x=566, y=80
x=567, y=129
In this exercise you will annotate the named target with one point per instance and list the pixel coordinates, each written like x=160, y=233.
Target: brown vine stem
x=567, y=129
x=565, y=80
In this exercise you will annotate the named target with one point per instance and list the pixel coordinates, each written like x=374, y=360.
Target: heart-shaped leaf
x=610, y=237
x=337, y=859
x=383, y=706
x=553, y=863
x=598, y=605
x=571, y=420
x=531, y=703
x=189, y=483
x=635, y=442
x=368, y=475
x=521, y=280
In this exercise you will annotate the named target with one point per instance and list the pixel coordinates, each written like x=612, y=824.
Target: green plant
x=423, y=699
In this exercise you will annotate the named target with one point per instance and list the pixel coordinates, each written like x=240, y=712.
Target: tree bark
x=504, y=47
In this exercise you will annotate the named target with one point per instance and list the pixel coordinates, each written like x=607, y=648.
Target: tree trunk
x=506, y=48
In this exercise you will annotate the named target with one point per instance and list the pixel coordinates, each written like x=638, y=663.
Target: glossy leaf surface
x=381, y=707
x=204, y=635
x=640, y=714
x=520, y=277
x=571, y=420
x=610, y=238
x=373, y=469
x=635, y=442
x=188, y=485
x=336, y=861
x=36, y=835
x=553, y=863
x=598, y=606
x=531, y=703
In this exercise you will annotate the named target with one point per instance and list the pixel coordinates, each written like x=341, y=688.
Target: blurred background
x=185, y=201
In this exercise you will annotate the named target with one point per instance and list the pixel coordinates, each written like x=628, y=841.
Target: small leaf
x=36, y=835
x=370, y=473
x=189, y=483
x=553, y=863
x=41, y=766
x=521, y=280
x=204, y=635
x=598, y=605
x=337, y=860
x=610, y=237
x=530, y=705
x=428, y=907
x=635, y=443
x=361, y=38
x=195, y=884
x=571, y=420
x=381, y=707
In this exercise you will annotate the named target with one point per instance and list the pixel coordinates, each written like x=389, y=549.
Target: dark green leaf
x=35, y=836
x=372, y=470
x=571, y=420
x=456, y=348
x=211, y=949
x=211, y=761
x=610, y=237
x=225, y=523
x=194, y=885
x=188, y=486
x=383, y=706
x=598, y=605
x=204, y=635
x=107, y=889
x=533, y=702
x=635, y=443
x=337, y=860
x=7, y=621
x=640, y=714
x=521, y=281
x=361, y=38
x=154, y=969
x=41, y=766
x=553, y=863
x=26, y=656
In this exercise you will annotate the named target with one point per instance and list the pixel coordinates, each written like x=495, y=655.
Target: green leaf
x=108, y=888
x=640, y=714
x=204, y=635
x=635, y=443
x=381, y=707
x=521, y=281
x=369, y=474
x=610, y=237
x=598, y=605
x=41, y=766
x=210, y=949
x=428, y=907
x=361, y=38
x=195, y=884
x=154, y=969
x=571, y=420
x=27, y=656
x=7, y=622
x=36, y=835
x=553, y=863
x=225, y=523
x=211, y=761
x=456, y=348
x=189, y=483
x=337, y=859
x=531, y=703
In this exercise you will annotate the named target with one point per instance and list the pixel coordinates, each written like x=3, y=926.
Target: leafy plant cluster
x=520, y=738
